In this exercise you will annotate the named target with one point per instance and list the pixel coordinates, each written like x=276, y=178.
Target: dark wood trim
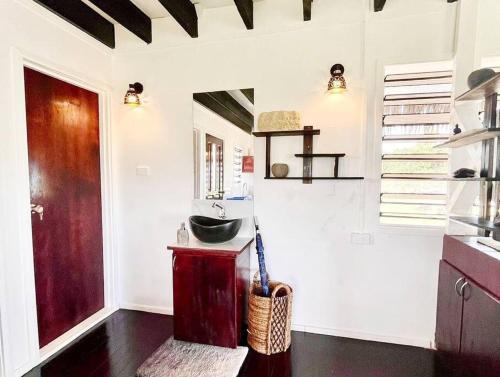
x=268, y=157
x=308, y=161
x=379, y=5
x=245, y=8
x=307, y=9
x=223, y=104
x=184, y=13
x=83, y=17
x=250, y=94
x=128, y=15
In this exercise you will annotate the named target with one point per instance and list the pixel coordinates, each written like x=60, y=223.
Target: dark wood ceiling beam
x=249, y=93
x=127, y=14
x=379, y=5
x=223, y=104
x=184, y=13
x=307, y=9
x=245, y=7
x=83, y=17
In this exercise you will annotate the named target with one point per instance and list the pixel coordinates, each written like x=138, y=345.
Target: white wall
x=385, y=290
x=29, y=30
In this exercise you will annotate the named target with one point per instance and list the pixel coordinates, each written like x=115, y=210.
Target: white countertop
x=235, y=245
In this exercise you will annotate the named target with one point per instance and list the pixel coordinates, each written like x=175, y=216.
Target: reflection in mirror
x=223, y=144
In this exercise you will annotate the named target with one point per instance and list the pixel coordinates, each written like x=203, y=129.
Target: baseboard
x=147, y=308
x=416, y=342
x=65, y=339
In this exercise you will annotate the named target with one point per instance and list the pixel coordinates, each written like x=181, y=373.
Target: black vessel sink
x=210, y=230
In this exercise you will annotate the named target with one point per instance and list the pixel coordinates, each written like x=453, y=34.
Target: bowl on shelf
x=480, y=76
x=279, y=170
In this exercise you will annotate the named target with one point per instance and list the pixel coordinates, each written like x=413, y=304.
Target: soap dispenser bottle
x=182, y=235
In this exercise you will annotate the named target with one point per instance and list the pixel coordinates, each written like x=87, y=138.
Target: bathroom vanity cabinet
x=211, y=284
x=468, y=312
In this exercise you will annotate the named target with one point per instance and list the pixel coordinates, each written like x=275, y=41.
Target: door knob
x=37, y=208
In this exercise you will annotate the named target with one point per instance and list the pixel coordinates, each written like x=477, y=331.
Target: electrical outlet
x=361, y=238
x=143, y=171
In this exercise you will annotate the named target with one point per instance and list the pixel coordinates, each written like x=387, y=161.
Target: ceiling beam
x=249, y=93
x=223, y=104
x=452, y=1
x=379, y=5
x=307, y=9
x=245, y=7
x=127, y=14
x=83, y=17
x=184, y=13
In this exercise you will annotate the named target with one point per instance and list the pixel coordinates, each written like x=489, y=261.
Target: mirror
x=223, y=144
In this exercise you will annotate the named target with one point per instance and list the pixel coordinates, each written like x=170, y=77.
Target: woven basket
x=270, y=318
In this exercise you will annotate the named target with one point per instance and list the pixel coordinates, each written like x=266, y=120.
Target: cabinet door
x=480, y=332
x=449, y=309
x=204, y=300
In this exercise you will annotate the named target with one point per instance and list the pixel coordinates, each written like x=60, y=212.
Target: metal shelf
x=470, y=137
x=477, y=222
x=484, y=90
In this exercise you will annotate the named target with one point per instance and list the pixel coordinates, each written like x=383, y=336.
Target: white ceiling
x=154, y=9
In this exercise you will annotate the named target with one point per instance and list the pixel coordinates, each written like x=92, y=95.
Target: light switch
x=143, y=171
x=361, y=238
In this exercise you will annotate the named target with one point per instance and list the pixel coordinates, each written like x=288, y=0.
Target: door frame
x=23, y=239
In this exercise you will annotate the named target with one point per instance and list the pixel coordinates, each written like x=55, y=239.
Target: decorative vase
x=480, y=76
x=280, y=170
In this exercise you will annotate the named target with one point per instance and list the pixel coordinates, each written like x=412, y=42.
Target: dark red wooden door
x=449, y=309
x=64, y=168
x=480, y=332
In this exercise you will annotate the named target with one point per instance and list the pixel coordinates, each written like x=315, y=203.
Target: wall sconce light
x=337, y=82
x=132, y=96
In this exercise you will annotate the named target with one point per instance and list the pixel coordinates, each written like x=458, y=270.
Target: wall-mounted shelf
x=320, y=178
x=482, y=91
x=440, y=178
x=303, y=132
x=334, y=155
x=470, y=137
x=308, y=132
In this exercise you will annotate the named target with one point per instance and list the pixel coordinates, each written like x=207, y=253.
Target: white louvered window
x=237, y=165
x=416, y=118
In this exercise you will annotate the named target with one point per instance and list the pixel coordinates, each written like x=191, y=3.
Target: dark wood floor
x=118, y=346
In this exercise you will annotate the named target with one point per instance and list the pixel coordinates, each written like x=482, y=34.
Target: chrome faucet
x=222, y=210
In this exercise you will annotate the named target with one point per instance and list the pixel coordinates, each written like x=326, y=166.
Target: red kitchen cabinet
x=449, y=309
x=468, y=313
x=480, y=341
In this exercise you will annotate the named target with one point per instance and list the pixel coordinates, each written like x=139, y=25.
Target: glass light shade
x=132, y=98
x=337, y=83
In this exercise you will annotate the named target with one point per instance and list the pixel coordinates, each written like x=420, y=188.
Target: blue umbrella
x=259, y=245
